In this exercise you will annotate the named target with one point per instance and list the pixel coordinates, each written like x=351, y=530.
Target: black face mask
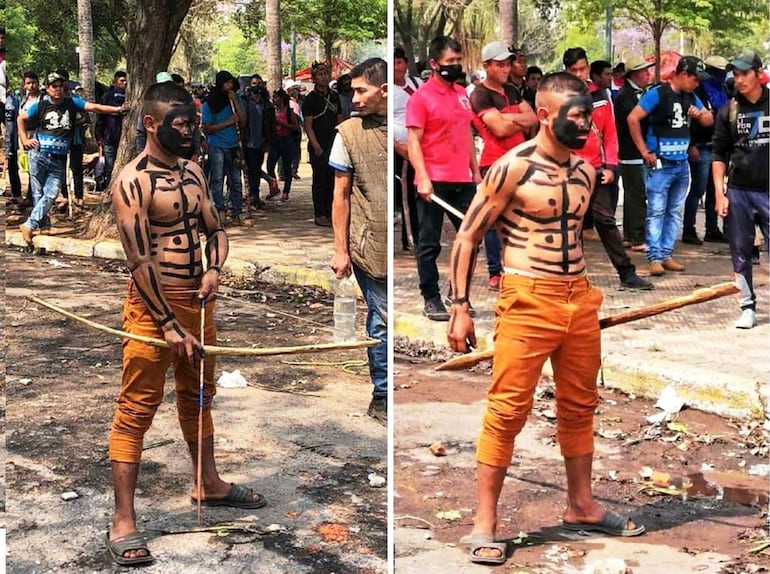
x=451, y=73
x=172, y=139
x=566, y=131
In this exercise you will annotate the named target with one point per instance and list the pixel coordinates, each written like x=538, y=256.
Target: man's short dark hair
x=164, y=93
x=561, y=83
x=31, y=74
x=119, y=74
x=373, y=70
x=399, y=54
x=177, y=79
x=441, y=43
x=598, y=66
x=572, y=56
x=63, y=73
x=533, y=70
x=256, y=77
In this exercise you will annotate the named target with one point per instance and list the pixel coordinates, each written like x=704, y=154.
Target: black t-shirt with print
x=323, y=108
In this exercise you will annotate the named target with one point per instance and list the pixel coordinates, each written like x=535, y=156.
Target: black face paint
x=451, y=73
x=171, y=139
x=566, y=131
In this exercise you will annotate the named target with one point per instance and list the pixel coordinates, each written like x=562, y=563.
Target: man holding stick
x=537, y=195
x=162, y=207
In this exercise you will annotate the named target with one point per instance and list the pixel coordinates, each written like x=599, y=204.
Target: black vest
x=670, y=119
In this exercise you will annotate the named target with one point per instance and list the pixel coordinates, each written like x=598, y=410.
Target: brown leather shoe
x=656, y=269
x=671, y=265
x=26, y=233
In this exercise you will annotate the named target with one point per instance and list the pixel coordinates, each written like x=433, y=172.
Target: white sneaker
x=747, y=320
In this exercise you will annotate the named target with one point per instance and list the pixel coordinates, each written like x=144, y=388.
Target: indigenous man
x=742, y=141
x=537, y=195
x=162, y=207
x=360, y=213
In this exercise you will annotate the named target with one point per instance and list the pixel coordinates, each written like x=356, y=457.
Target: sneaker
x=295, y=175
x=627, y=244
x=636, y=282
x=378, y=410
x=671, y=265
x=273, y=185
x=656, y=269
x=322, y=221
x=747, y=320
x=236, y=220
x=284, y=197
x=715, y=237
x=435, y=310
x=639, y=248
x=494, y=283
x=590, y=234
x=690, y=237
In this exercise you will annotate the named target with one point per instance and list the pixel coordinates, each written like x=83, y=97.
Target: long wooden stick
x=200, y=410
x=697, y=296
x=212, y=350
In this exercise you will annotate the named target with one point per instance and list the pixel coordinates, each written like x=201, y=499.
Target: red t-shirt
x=484, y=99
x=444, y=112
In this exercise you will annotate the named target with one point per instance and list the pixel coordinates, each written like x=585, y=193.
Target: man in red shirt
x=503, y=119
x=601, y=151
x=440, y=147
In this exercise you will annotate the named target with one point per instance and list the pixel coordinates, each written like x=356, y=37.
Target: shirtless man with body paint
x=162, y=207
x=537, y=195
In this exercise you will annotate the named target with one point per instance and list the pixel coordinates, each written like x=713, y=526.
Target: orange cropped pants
x=144, y=374
x=537, y=319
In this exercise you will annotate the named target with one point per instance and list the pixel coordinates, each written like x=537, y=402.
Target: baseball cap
x=636, y=63
x=746, y=61
x=497, y=51
x=53, y=77
x=717, y=62
x=161, y=77
x=290, y=85
x=690, y=65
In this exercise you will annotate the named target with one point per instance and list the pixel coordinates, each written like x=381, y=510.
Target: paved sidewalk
x=714, y=366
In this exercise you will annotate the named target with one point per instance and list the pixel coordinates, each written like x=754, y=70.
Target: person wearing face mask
x=166, y=262
x=601, y=151
x=537, y=195
x=441, y=150
x=359, y=157
x=258, y=136
x=669, y=108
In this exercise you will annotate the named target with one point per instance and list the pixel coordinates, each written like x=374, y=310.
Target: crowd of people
x=656, y=143
x=246, y=136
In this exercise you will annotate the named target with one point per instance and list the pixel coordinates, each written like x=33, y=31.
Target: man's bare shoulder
x=194, y=169
x=578, y=164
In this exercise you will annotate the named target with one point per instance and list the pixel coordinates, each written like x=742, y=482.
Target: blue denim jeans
x=747, y=208
x=46, y=176
x=110, y=155
x=666, y=191
x=221, y=164
x=376, y=296
x=701, y=183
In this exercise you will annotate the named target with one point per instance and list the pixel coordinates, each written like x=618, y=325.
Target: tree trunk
x=151, y=34
x=506, y=21
x=86, y=48
x=273, y=31
x=515, y=22
x=657, y=34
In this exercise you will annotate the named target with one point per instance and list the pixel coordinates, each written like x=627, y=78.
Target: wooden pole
x=200, y=411
x=698, y=296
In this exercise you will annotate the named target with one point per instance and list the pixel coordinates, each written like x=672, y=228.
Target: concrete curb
x=725, y=395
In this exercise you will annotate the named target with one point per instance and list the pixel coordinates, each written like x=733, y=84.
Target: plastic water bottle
x=345, y=311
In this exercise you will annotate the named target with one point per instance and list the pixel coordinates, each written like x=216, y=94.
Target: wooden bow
x=212, y=350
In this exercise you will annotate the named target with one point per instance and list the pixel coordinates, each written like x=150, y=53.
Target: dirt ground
x=711, y=529
x=299, y=434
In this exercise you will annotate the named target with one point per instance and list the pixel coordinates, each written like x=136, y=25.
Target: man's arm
x=491, y=199
x=414, y=145
x=635, y=129
x=131, y=205
x=102, y=109
x=217, y=246
x=610, y=146
x=21, y=124
x=722, y=144
x=238, y=109
x=211, y=128
x=474, y=162
x=700, y=114
x=340, y=264
x=504, y=124
x=311, y=138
